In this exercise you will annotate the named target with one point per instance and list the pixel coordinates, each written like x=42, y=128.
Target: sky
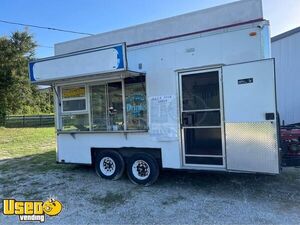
x=97, y=16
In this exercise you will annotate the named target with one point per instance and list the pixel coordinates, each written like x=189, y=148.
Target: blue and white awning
x=91, y=62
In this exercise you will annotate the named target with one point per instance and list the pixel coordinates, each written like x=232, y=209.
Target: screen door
x=201, y=117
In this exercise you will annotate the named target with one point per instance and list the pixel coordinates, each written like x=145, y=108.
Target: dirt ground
x=176, y=198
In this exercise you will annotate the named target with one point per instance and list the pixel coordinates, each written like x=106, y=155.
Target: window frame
x=83, y=111
x=70, y=114
x=88, y=105
x=91, y=84
x=146, y=103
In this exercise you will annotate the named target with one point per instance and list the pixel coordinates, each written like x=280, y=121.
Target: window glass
x=106, y=106
x=204, y=160
x=98, y=107
x=136, y=104
x=73, y=99
x=73, y=92
x=75, y=122
x=74, y=105
x=205, y=141
x=201, y=91
x=115, y=106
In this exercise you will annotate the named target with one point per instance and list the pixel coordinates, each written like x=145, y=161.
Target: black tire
x=112, y=161
x=141, y=176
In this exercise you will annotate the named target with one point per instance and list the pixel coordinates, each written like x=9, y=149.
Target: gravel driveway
x=176, y=198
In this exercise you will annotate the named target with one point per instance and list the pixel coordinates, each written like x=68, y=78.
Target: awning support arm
x=57, y=95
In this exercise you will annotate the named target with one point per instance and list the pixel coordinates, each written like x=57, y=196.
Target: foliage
x=17, y=95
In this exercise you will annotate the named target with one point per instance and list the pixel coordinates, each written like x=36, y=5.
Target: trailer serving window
x=136, y=104
x=74, y=113
x=73, y=99
x=106, y=106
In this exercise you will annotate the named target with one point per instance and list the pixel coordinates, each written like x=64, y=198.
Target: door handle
x=270, y=116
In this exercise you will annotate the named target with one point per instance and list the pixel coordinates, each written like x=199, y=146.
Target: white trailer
x=191, y=92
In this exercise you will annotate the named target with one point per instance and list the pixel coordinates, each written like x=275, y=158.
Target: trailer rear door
x=251, y=133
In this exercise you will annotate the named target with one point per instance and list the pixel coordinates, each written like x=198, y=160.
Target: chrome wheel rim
x=107, y=166
x=141, y=169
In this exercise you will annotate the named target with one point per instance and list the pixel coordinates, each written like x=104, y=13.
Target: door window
x=200, y=91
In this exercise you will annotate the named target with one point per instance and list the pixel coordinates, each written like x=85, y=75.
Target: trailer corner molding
x=77, y=64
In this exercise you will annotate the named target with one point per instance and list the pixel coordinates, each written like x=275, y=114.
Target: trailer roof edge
x=285, y=34
x=198, y=32
x=200, y=20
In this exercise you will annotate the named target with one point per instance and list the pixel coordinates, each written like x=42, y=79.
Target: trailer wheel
x=142, y=169
x=109, y=165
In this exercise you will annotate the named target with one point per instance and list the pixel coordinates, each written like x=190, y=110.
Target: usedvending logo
x=31, y=210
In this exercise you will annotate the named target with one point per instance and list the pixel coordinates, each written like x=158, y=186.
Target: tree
x=16, y=93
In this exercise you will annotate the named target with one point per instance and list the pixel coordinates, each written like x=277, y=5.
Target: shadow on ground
x=260, y=184
x=189, y=197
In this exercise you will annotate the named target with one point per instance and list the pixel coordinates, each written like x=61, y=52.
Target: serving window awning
x=91, y=77
x=98, y=63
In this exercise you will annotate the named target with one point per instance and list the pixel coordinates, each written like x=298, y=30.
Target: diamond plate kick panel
x=252, y=147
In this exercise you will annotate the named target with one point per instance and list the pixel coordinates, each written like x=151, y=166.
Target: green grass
x=20, y=142
x=25, y=155
x=110, y=200
x=28, y=150
x=173, y=200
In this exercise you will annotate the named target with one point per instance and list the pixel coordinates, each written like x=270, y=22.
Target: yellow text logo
x=31, y=210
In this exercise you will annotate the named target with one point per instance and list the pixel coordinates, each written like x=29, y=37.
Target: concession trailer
x=190, y=92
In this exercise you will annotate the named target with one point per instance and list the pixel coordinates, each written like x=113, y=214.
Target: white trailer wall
x=286, y=51
x=202, y=20
x=160, y=62
x=227, y=34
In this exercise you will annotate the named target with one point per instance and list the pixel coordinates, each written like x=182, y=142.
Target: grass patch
x=32, y=195
x=39, y=163
x=110, y=200
x=20, y=142
x=28, y=150
x=25, y=152
x=172, y=200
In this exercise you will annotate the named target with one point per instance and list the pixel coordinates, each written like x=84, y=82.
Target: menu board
x=163, y=122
